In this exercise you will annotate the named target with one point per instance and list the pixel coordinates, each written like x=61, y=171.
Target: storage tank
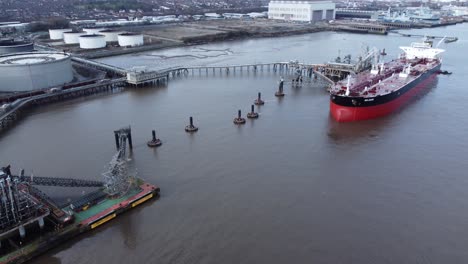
x=34, y=70
x=93, y=41
x=91, y=31
x=57, y=33
x=12, y=46
x=72, y=37
x=110, y=34
x=130, y=39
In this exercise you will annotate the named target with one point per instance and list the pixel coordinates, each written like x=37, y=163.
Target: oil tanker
x=385, y=87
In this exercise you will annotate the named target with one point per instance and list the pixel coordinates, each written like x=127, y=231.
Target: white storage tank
x=57, y=33
x=91, y=31
x=93, y=41
x=34, y=70
x=130, y=39
x=72, y=37
x=13, y=46
x=111, y=35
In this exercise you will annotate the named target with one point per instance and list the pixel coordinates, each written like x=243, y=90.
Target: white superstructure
x=93, y=41
x=57, y=33
x=307, y=11
x=422, y=50
x=130, y=39
x=72, y=37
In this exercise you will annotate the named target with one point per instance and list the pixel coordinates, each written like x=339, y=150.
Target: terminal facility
x=306, y=11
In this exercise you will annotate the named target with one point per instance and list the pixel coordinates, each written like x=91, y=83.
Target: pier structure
x=274, y=67
x=445, y=38
x=354, y=13
x=140, y=76
x=112, y=71
x=326, y=71
x=360, y=27
x=144, y=76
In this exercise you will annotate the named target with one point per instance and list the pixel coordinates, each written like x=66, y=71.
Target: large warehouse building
x=306, y=11
x=34, y=70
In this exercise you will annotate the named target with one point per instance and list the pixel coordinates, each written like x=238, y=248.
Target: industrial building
x=12, y=46
x=56, y=34
x=110, y=34
x=130, y=39
x=34, y=70
x=93, y=41
x=72, y=37
x=306, y=11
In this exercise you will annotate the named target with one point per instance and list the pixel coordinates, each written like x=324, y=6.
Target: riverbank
x=163, y=36
x=159, y=37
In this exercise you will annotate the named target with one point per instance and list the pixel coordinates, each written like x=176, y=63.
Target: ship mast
x=348, y=85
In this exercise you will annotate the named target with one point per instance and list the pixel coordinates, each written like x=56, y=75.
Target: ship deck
x=368, y=85
x=110, y=206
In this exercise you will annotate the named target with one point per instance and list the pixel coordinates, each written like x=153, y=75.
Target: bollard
x=239, y=119
x=252, y=113
x=191, y=128
x=280, y=93
x=259, y=100
x=154, y=142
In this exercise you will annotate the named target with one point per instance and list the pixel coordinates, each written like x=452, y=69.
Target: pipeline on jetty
x=446, y=39
x=145, y=77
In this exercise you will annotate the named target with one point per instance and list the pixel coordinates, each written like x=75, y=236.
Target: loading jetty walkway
x=325, y=71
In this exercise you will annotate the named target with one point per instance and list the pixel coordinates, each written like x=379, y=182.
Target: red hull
x=349, y=114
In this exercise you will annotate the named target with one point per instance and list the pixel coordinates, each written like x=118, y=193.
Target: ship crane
x=117, y=180
x=366, y=61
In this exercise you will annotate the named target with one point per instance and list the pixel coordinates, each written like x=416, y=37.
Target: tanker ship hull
x=348, y=109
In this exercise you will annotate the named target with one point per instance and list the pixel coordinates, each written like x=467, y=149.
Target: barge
x=75, y=219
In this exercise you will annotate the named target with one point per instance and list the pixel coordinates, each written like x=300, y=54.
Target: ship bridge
x=422, y=50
